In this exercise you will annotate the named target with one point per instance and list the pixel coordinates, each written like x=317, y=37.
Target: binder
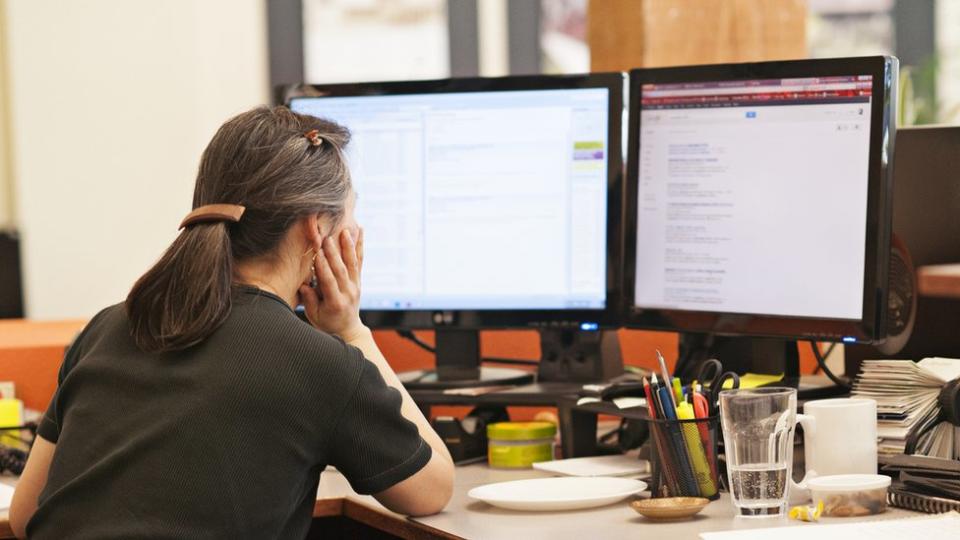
x=920, y=503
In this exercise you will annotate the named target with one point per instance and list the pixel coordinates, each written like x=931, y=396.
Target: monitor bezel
x=477, y=319
x=870, y=326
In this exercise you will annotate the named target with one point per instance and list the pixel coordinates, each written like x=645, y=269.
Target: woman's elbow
x=425, y=493
x=434, y=501
x=437, y=492
x=18, y=519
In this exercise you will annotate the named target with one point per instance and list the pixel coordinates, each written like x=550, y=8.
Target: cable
x=826, y=355
x=823, y=365
x=511, y=361
x=407, y=334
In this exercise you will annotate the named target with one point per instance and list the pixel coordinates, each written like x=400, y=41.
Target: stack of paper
x=906, y=393
x=6, y=495
x=942, y=527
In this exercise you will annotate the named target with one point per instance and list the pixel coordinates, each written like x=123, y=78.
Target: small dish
x=670, y=508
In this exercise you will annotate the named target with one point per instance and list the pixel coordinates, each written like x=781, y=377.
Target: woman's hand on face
x=334, y=305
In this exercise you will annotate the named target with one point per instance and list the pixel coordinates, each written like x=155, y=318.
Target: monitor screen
x=758, y=196
x=741, y=183
x=479, y=200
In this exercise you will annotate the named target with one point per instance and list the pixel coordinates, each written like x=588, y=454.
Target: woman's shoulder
x=107, y=319
x=296, y=342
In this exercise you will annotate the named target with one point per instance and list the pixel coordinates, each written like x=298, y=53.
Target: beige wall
x=6, y=179
x=111, y=103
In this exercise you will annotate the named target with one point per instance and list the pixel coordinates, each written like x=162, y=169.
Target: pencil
x=665, y=459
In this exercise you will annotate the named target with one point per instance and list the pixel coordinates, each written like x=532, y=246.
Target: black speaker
x=579, y=356
x=11, y=284
x=901, y=299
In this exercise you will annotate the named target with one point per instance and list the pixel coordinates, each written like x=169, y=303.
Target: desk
x=469, y=519
x=30, y=356
x=464, y=518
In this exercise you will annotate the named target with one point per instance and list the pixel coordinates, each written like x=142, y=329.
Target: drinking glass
x=758, y=426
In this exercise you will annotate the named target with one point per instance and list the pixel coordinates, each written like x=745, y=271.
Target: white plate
x=557, y=493
x=616, y=465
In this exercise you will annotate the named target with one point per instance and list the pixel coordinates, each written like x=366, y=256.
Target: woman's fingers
x=326, y=280
x=350, y=260
x=331, y=248
x=308, y=297
x=360, y=248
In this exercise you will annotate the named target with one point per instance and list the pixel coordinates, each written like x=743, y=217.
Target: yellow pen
x=698, y=458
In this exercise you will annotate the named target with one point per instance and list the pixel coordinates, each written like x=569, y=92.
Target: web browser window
x=479, y=200
x=753, y=196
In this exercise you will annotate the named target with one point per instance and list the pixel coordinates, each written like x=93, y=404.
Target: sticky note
x=11, y=414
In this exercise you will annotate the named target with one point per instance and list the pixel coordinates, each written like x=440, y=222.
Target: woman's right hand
x=334, y=304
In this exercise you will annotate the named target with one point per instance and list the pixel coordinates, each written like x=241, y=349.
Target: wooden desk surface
x=464, y=518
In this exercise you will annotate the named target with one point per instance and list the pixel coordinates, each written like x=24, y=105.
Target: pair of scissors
x=712, y=378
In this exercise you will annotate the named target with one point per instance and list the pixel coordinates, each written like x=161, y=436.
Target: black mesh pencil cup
x=684, y=457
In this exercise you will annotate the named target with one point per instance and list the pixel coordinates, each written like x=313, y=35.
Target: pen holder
x=684, y=457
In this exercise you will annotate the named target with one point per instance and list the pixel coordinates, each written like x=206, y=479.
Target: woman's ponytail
x=186, y=295
x=272, y=167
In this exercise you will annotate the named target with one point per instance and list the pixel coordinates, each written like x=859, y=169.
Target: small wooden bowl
x=670, y=508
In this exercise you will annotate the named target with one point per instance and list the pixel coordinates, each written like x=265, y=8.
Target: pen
x=663, y=369
x=646, y=392
x=668, y=454
x=665, y=465
x=655, y=388
x=687, y=476
x=677, y=390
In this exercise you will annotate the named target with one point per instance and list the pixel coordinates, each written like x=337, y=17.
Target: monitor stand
x=567, y=355
x=754, y=355
x=458, y=366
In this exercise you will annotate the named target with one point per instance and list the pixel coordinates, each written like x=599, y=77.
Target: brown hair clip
x=313, y=136
x=213, y=212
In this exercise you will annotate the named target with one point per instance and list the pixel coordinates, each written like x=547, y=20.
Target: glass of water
x=758, y=426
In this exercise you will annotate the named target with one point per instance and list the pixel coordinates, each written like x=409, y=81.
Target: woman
x=203, y=406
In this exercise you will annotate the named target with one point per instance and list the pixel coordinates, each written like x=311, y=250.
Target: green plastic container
x=518, y=445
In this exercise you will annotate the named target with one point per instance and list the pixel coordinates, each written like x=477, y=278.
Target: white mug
x=839, y=437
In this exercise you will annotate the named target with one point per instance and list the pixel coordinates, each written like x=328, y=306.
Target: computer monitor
x=486, y=203
x=759, y=203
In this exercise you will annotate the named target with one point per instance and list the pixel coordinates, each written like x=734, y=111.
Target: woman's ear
x=313, y=227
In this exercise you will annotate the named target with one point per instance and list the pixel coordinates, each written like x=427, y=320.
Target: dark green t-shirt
x=225, y=439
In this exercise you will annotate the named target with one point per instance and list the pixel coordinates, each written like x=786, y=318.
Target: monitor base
x=428, y=379
x=810, y=387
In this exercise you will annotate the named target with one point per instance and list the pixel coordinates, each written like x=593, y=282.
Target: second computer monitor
x=759, y=198
x=485, y=202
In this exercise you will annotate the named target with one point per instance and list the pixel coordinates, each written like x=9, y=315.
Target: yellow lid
x=521, y=431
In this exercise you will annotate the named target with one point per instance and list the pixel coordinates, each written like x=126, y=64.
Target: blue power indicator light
x=849, y=339
x=589, y=326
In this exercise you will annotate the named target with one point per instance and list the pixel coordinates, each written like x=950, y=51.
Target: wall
x=6, y=180
x=111, y=103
